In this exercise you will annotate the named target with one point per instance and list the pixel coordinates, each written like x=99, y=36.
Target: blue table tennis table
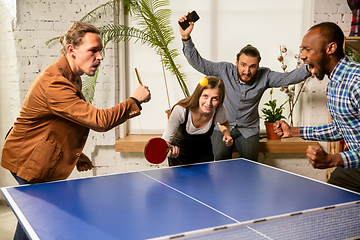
x=231, y=199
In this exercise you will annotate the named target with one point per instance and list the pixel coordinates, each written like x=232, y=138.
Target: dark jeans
x=246, y=147
x=346, y=178
x=20, y=233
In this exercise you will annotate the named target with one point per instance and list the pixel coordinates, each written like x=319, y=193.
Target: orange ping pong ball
x=203, y=82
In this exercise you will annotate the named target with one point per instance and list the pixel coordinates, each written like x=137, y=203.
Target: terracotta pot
x=271, y=135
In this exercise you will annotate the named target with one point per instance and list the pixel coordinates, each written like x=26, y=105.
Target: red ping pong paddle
x=156, y=150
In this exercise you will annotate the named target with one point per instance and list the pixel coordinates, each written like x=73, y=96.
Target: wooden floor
x=8, y=221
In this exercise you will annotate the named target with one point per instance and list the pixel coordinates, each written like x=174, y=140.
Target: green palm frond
x=154, y=29
x=118, y=33
x=88, y=88
x=51, y=40
x=101, y=10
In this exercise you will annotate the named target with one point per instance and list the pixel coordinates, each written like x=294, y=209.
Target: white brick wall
x=336, y=11
x=9, y=85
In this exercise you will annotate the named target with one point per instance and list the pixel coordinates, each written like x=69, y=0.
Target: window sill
x=136, y=143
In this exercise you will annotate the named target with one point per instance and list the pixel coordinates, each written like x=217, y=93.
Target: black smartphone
x=191, y=17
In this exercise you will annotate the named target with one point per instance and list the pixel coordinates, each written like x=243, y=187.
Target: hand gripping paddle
x=156, y=150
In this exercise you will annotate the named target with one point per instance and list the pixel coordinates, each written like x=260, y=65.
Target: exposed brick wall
x=24, y=36
x=9, y=85
x=37, y=22
x=336, y=11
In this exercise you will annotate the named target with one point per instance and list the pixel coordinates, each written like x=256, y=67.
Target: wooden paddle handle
x=138, y=76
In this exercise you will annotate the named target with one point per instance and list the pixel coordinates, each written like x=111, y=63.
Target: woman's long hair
x=192, y=102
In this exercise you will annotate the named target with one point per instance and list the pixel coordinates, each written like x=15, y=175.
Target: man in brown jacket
x=47, y=139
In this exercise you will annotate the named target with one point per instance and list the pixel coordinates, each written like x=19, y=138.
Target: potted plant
x=271, y=115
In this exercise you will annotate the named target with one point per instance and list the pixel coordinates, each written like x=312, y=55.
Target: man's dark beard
x=321, y=71
x=239, y=78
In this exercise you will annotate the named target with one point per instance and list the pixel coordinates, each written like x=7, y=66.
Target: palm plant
x=154, y=30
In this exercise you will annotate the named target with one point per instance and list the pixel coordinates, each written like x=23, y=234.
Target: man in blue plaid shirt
x=322, y=50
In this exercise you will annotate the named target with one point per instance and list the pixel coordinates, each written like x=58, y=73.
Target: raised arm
x=277, y=79
x=185, y=34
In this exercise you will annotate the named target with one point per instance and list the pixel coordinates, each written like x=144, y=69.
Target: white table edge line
x=20, y=215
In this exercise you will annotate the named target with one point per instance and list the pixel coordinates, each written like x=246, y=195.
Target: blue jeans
x=20, y=233
x=246, y=147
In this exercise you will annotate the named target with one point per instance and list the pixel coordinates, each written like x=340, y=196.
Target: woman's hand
x=174, y=151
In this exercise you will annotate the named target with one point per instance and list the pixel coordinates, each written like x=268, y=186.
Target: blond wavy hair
x=75, y=34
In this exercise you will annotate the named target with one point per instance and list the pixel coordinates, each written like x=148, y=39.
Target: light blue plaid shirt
x=343, y=100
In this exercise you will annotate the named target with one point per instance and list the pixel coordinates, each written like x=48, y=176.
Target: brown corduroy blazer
x=51, y=130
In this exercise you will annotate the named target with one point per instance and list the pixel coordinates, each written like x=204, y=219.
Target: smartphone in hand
x=191, y=17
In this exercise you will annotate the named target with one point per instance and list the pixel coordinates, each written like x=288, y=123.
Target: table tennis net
x=340, y=222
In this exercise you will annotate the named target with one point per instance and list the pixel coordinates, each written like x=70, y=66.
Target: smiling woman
x=192, y=122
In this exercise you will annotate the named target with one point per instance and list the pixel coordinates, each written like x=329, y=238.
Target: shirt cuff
x=137, y=102
x=306, y=133
x=350, y=159
x=188, y=44
x=186, y=39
